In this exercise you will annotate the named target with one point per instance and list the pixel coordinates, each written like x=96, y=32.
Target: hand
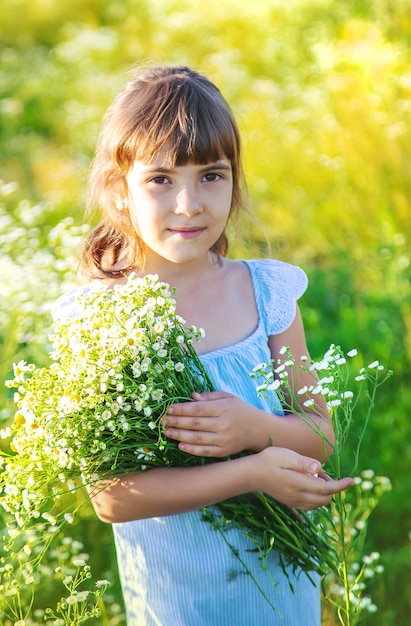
x=217, y=424
x=293, y=479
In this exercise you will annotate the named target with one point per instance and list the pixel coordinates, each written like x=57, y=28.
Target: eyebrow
x=218, y=165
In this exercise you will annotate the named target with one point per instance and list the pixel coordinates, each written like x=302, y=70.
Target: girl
x=167, y=176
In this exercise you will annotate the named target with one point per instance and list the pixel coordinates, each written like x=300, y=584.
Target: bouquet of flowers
x=95, y=413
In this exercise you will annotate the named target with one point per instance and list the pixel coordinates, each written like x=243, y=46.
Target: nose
x=188, y=202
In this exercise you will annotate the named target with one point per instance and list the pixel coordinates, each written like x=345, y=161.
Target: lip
x=187, y=233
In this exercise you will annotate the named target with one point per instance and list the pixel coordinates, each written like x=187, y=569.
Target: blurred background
x=322, y=93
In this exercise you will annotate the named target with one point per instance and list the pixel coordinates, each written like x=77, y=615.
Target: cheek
x=144, y=224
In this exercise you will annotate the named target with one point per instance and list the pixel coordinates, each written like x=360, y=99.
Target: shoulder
x=277, y=287
x=278, y=276
x=67, y=306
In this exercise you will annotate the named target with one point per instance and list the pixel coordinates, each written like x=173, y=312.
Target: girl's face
x=179, y=212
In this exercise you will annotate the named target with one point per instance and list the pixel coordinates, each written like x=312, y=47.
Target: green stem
x=344, y=557
x=235, y=552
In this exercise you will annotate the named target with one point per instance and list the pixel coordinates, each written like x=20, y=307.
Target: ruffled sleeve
x=277, y=287
x=67, y=306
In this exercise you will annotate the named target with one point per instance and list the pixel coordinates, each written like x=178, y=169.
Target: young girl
x=167, y=177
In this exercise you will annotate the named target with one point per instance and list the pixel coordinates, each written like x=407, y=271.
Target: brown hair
x=172, y=110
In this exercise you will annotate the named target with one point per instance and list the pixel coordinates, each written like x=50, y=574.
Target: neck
x=183, y=275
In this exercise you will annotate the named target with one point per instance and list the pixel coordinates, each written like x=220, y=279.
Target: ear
x=121, y=204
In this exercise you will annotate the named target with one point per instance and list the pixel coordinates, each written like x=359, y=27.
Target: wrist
x=251, y=473
x=262, y=434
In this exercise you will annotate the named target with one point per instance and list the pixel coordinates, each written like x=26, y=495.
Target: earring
x=121, y=205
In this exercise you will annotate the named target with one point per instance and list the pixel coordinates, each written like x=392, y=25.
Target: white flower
x=259, y=367
x=5, y=433
x=347, y=395
x=158, y=328
x=309, y=403
x=72, y=599
x=50, y=518
x=316, y=390
x=82, y=596
x=352, y=353
x=144, y=454
x=326, y=380
x=373, y=365
x=157, y=394
x=334, y=403
x=274, y=385
x=179, y=367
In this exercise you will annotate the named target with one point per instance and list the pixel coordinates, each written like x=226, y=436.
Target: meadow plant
x=26, y=577
x=38, y=262
x=350, y=396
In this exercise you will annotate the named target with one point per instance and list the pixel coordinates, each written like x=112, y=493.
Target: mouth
x=187, y=232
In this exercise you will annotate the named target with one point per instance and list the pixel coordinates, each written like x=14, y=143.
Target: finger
x=295, y=461
x=211, y=395
x=331, y=487
x=192, y=409
x=342, y=484
x=197, y=438
x=324, y=476
x=201, y=450
x=206, y=424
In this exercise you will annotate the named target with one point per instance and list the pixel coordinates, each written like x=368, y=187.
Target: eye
x=159, y=180
x=211, y=177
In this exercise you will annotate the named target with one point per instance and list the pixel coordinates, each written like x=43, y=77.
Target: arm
x=220, y=424
x=281, y=473
x=305, y=437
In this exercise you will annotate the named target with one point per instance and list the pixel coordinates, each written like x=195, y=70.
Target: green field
x=322, y=93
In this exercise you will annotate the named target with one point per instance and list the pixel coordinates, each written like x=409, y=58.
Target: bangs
x=183, y=124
